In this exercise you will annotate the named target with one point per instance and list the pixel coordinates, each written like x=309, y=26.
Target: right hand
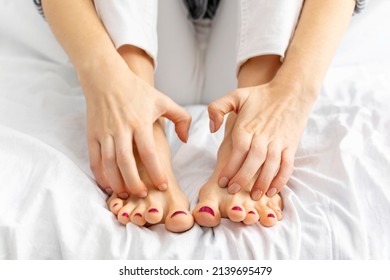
x=121, y=110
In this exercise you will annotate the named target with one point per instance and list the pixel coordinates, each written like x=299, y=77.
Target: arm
x=272, y=116
x=121, y=107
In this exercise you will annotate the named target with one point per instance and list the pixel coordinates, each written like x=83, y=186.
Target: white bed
x=337, y=202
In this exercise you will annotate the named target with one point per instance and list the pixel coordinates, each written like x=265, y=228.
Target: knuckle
x=273, y=154
x=122, y=157
x=109, y=161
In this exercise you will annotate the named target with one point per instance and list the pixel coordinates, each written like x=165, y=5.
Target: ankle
x=258, y=70
x=139, y=62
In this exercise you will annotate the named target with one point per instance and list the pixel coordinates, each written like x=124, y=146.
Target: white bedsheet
x=337, y=202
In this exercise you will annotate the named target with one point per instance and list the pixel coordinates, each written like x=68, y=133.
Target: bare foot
x=216, y=202
x=169, y=207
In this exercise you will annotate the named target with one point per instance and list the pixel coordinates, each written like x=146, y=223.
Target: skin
x=271, y=107
x=272, y=116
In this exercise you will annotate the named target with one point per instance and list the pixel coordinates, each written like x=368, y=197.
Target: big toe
x=207, y=214
x=179, y=220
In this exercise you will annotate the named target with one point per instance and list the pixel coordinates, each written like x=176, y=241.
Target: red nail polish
x=237, y=208
x=137, y=215
x=177, y=213
x=252, y=212
x=207, y=209
x=270, y=215
x=153, y=210
x=115, y=205
x=125, y=215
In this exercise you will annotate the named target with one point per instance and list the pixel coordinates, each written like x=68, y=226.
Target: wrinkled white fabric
x=337, y=202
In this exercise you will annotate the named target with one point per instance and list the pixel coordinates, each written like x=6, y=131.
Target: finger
x=128, y=166
x=252, y=163
x=179, y=116
x=144, y=139
x=285, y=171
x=111, y=168
x=220, y=107
x=241, y=141
x=268, y=171
x=96, y=165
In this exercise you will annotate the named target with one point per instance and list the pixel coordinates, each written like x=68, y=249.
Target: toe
x=278, y=212
x=137, y=217
x=154, y=215
x=236, y=212
x=251, y=217
x=115, y=205
x=125, y=212
x=179, y=220
x=207, y=214
x=267, y=216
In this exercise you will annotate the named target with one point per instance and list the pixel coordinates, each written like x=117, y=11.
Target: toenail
x=153, y=210
x=123, y=195
x=125, y=215
x=257, y=194
x=115, y=205
x=207, y=209
x=223, y=182
x=234, y=188
x=177, y=213
x=252, y=212
x=270, y=215
x=163, y=187
x=109, y=191
x=237, y=208
x=271, y=192
x=137, y=215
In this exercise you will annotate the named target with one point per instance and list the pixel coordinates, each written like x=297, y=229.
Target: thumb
x=220, y=107
x=179, y=116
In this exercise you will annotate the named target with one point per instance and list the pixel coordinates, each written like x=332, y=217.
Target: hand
x=271, y=119
x=121, y=110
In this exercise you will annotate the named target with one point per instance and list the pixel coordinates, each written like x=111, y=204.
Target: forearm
x=317, y=36
x=80, y=32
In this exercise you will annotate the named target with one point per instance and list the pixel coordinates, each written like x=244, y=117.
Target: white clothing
x=197, y=63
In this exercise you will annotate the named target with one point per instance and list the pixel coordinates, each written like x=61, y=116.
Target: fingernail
x=109, y=191
x=223, y=182
x=237, y=208
x=234, y=188
x=123, y=195
x=163, y=187
x=143, y=194
x=271, y=192
x=270, y=215
x=212, y=126
x=257, y=194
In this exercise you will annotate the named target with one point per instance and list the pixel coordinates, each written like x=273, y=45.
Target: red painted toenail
x=115, y=205
x=237, y=208
x=270, y=215
x=252, y=212
x=153, y=210
x=125, y=215
x=177, y=213
x=207, y=209
x=137, y=215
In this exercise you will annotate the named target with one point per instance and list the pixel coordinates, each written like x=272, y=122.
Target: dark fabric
x=199, y=9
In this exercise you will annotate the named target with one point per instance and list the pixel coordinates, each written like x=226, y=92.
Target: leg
x=216, y=202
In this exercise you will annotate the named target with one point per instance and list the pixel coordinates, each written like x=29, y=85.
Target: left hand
x=270, y=122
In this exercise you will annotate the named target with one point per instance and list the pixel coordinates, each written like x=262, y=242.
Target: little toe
x=267, y=216
x=236, y=212
x=251, y=218
x=115, y=205
x=179, y=220
x=207, y=214
x=154, y=215
x=278, y=212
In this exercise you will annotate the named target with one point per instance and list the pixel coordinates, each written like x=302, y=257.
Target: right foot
x=169, y=207
x=216, y=202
